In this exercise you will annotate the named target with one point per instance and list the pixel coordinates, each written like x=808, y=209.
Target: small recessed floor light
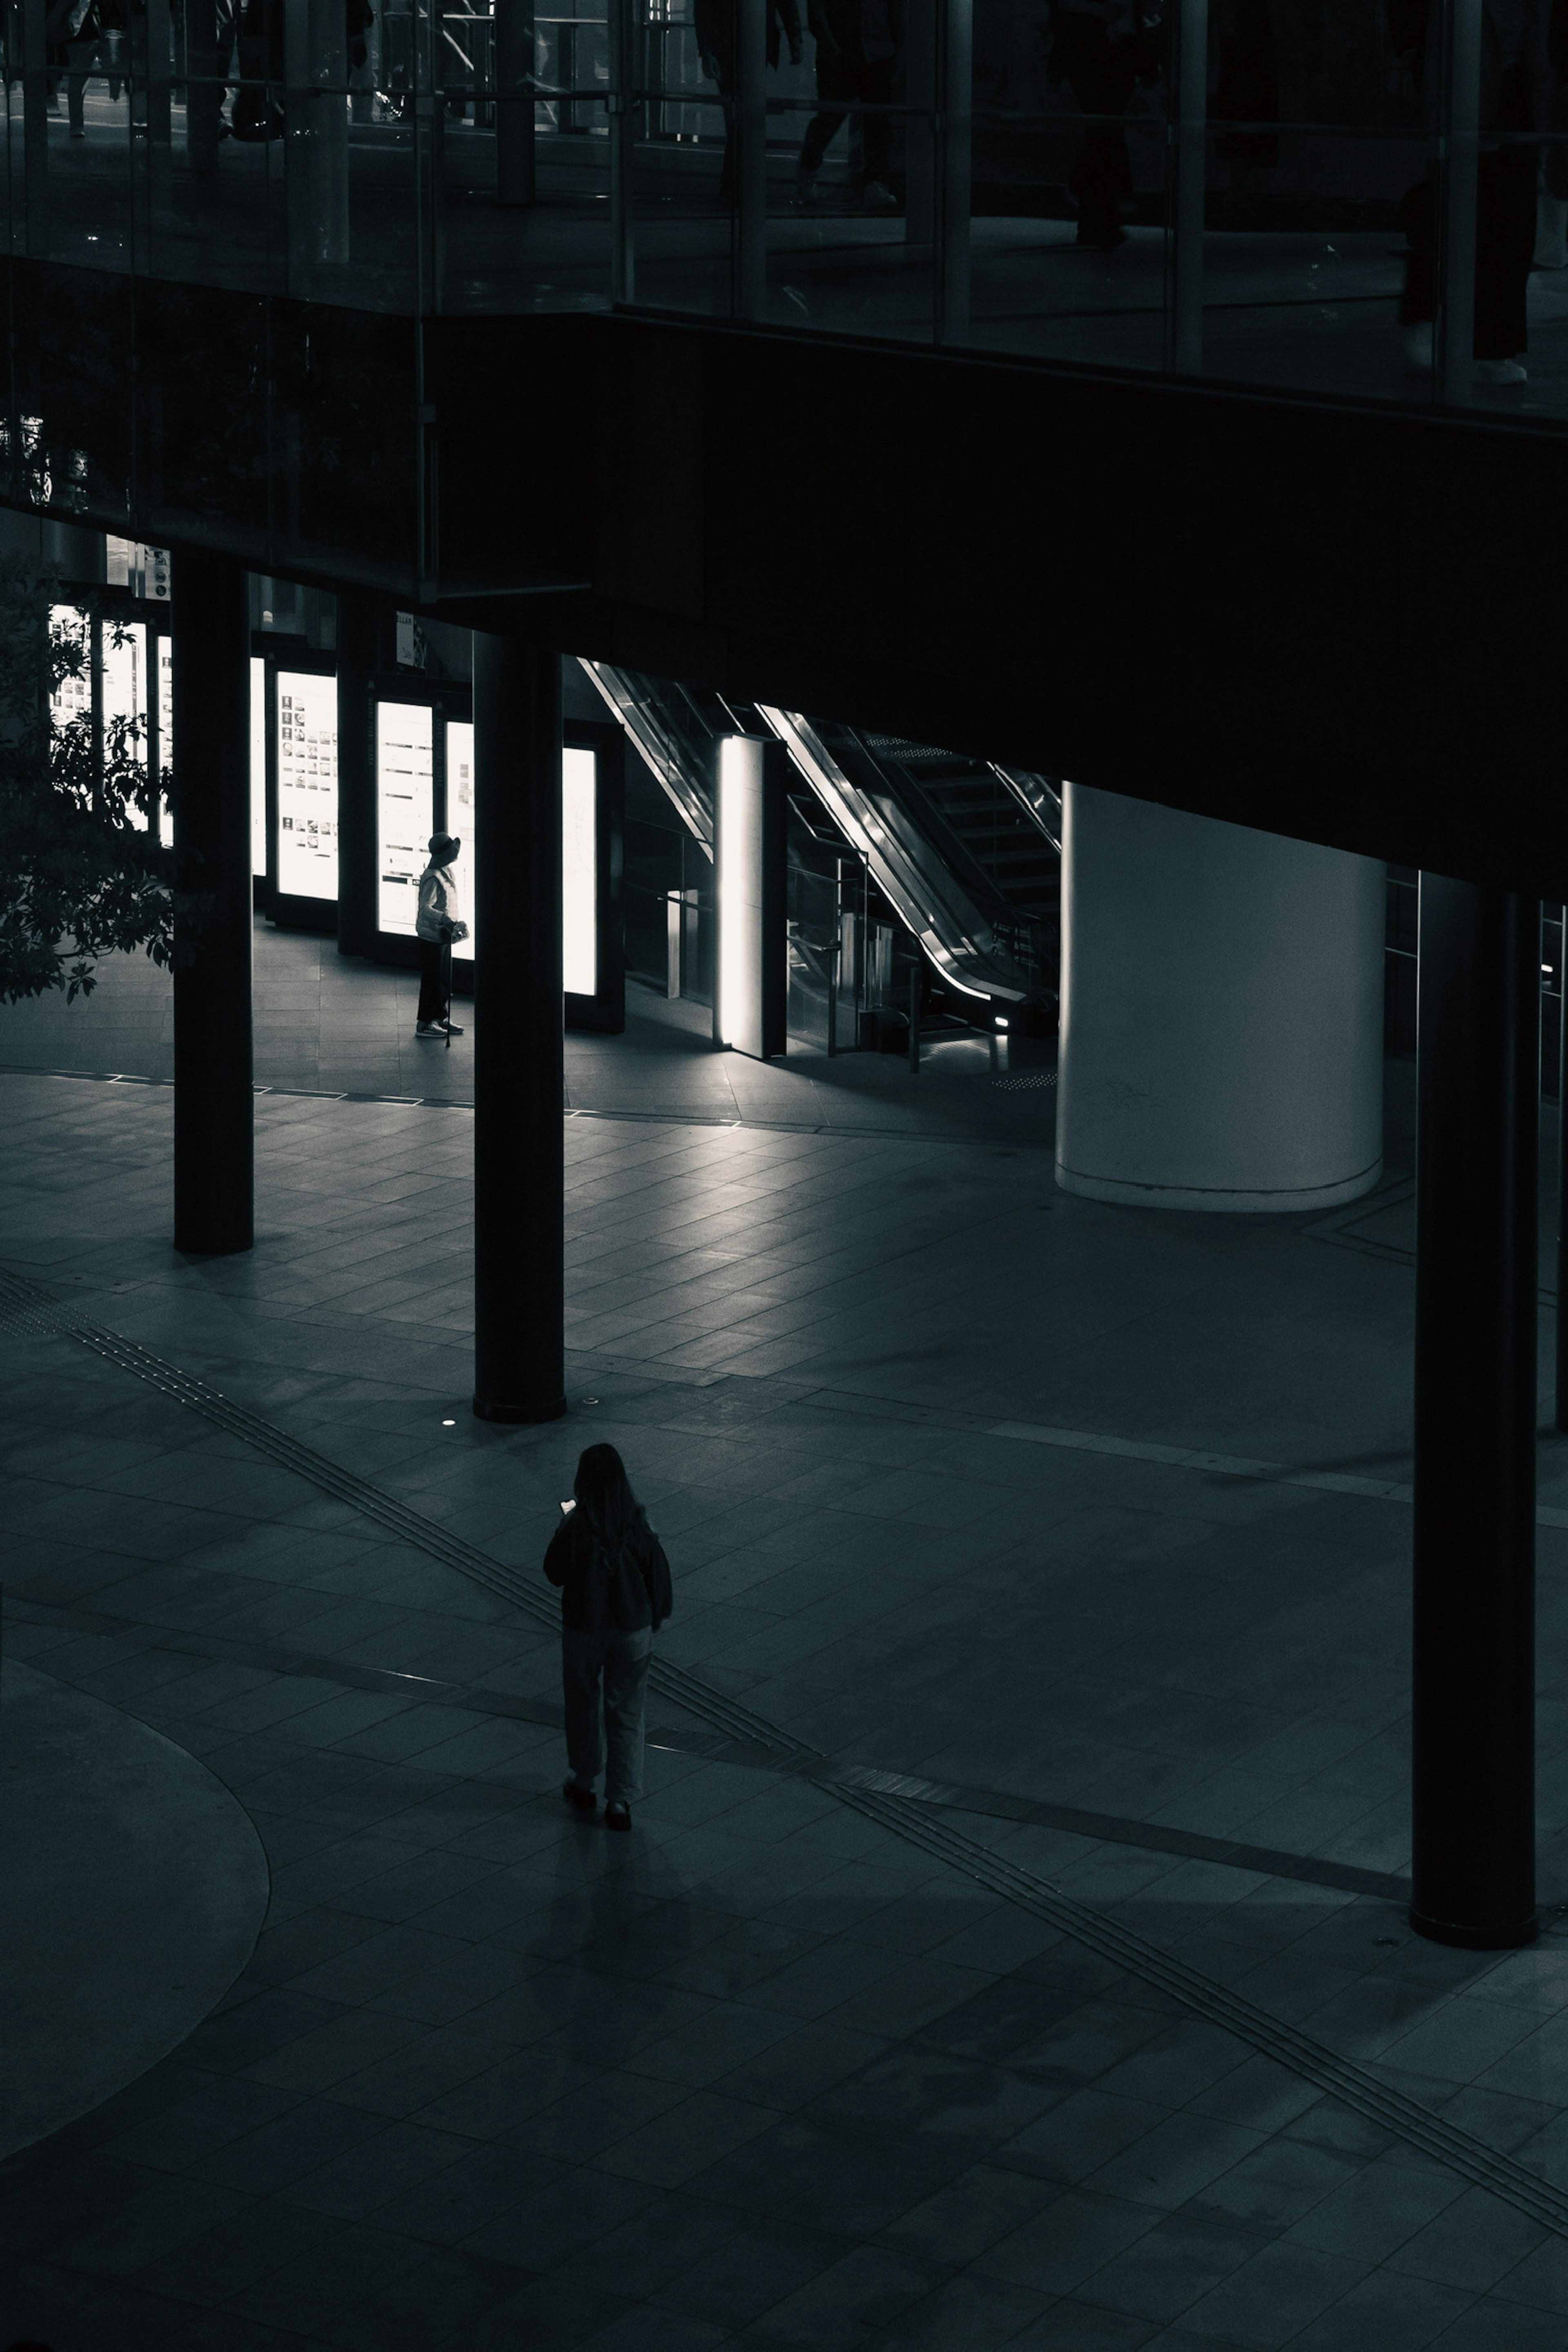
x=448, y=1424
x=590, y=1400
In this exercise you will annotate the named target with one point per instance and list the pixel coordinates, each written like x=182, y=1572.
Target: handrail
x=656, y=744
x=1039, y=800
x=954, y=935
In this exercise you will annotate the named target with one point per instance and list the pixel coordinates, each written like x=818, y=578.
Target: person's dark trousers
x=1102, y=76
x=1505, y=235
x=605, y=1683
x=432, y=995
x=842, y=88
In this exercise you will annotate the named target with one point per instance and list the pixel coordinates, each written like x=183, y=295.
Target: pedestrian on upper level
x=437, y=926
x=615, y=1595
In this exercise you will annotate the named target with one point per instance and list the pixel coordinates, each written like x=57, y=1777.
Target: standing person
x=857, y=47
x=1102, y=50
x=436, y=927
x=714, y=24
x=615, y=1596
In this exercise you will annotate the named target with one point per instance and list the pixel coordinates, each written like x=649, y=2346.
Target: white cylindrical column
x=1221, y=1010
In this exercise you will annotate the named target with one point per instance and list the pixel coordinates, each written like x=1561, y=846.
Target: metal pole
x=1187, y=183
x=203, y=98
x=518, y=1065
x=915, y=1016
x=213, y=1105
x=1473, y=1697
x=750, y=140
x=1458, y=149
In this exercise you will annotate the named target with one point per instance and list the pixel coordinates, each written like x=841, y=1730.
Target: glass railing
x=1217, y=191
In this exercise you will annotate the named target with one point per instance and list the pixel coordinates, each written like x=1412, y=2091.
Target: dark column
x=358, y=624
x=519, y=1151
x=213, y=1181
x=1473, y=1734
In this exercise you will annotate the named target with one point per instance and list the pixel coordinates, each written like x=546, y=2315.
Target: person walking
x=436, y=928
x=613, y=1580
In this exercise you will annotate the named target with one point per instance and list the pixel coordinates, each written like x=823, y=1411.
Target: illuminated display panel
x=461, y=820
x=72, y=699
x=404, y=740
x=579, y=873
x=307, y=785
x=125, y=699
x=166, y=645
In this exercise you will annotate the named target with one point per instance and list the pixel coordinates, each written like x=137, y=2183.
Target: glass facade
x=1238, y=190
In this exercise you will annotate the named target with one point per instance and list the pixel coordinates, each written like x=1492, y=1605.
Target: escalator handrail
x=1037, y=797
x=661, y=751
x=960, y=944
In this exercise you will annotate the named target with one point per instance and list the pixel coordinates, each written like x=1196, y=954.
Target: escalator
x=961, y=855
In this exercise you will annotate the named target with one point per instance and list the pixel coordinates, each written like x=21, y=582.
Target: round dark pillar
x=214, y=1105
x=520, y=1173
x=1473, y=1735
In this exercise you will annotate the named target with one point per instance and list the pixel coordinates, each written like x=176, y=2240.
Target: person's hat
x=444, y=844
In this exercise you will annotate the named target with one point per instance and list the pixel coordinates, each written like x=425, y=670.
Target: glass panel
x=405, y=794
x=307, y=785
x=125, y=712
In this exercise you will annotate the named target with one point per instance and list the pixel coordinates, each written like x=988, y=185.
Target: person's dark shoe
x=428, y=1029
x=575, y=1794
x=617, y=1817
x=448, y=1028
x=1102, y=239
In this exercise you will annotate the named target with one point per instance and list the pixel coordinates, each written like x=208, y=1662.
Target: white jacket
x=438, y=904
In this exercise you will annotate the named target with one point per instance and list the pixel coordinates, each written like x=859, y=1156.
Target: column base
x=213, y=1248
x=520, y=1413
x=1123, y=1194
x=1502, y=1939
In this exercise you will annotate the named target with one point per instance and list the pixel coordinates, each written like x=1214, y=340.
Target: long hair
x=604, y=1495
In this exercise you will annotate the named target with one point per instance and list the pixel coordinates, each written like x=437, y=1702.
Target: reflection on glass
x=307, y=785
x=405, y=796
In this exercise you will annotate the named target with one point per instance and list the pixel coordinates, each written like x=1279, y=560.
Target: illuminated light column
x=579, y=872
x=751, y=968
x=1221, y=1012
x=214, y=1160
x=519, y=1051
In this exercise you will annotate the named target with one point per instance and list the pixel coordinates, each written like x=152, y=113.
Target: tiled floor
x=326, y=1024
x=768, y=2074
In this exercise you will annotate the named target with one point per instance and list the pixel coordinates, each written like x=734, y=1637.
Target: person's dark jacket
x=605, y=1590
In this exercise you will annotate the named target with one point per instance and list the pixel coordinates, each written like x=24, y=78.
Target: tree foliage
x=82, y=875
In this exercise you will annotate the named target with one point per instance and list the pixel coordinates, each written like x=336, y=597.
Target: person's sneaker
x=1101, y=237
x=1500, y=371
x=575, y=1794
x=617, y=1817
x=428, y=1029
x=879, y=198
x=448, y=1029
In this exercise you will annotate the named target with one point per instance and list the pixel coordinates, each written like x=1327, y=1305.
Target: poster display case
x=462, y=818
x=306, y=825
x=257, y=768
x=406, y=810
